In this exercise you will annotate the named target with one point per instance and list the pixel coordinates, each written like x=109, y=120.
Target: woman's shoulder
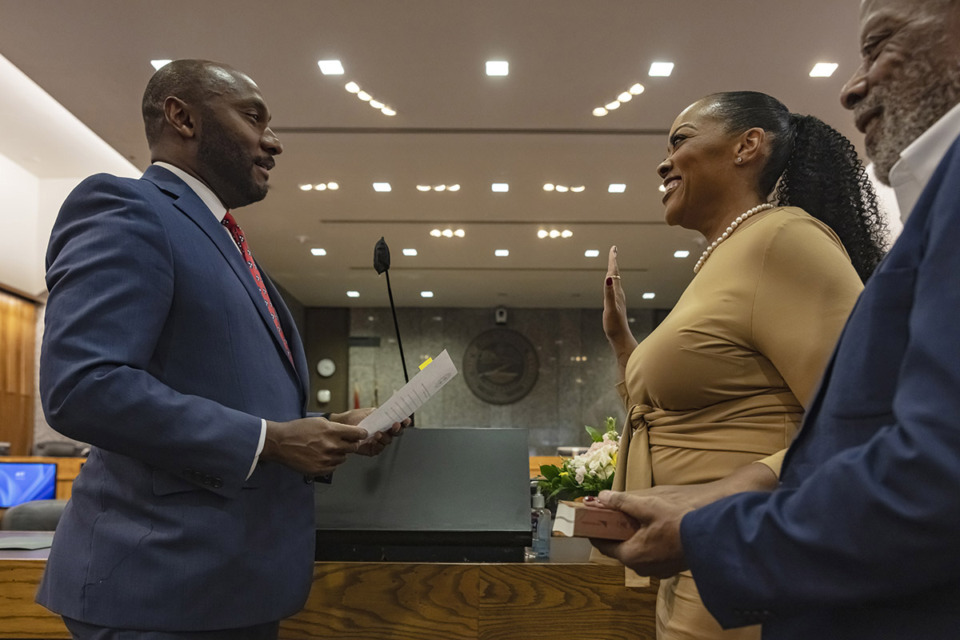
x=793, y=224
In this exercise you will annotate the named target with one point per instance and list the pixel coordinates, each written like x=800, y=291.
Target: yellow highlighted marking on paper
x=425, y=363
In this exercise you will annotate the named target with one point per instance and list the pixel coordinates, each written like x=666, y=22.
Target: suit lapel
x=193, y=207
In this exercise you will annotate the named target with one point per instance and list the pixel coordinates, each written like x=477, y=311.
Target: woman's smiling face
x=697, y=169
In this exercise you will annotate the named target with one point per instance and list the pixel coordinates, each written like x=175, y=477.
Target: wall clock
x=326, y=367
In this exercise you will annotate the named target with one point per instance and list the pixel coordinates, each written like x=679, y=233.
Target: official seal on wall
x=500, y=366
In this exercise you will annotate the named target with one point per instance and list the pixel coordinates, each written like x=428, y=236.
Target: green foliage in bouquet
x=586, y=474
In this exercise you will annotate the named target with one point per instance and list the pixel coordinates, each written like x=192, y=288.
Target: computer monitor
x=434, y=495
x=25, y=481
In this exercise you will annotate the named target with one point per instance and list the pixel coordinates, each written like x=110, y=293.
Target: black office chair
x=36, y=515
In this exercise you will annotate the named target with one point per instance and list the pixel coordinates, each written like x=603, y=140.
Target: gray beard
x=927, y=88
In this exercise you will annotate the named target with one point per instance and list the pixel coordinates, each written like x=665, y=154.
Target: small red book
x=577, y=520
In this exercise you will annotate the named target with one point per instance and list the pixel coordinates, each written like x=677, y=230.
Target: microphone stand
x=381, y=262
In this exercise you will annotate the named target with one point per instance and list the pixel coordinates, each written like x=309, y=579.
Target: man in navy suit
x=168, y=350
x=862, y=537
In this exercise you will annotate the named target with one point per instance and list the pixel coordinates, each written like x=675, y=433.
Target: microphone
x=381, y=262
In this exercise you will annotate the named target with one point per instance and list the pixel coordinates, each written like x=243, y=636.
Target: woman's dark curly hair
x=818, y=170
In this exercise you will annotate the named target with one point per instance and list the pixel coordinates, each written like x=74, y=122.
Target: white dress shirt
x=910, y=175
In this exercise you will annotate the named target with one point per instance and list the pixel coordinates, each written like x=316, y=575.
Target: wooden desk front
x=414, y=601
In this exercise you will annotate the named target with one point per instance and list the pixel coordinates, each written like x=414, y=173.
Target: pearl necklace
x=733, y=226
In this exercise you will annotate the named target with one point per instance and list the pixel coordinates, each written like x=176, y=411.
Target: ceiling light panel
x=501, y=253
x=682, y=253
x=438, y=187
x=333, y=67
x=323, y=186
x=330, y=67
x=317, y=251
x=562, y=188
x=498, y=68
x=382, y=187
x=410, y=252
x=649, y=295
x=448, y=233
x=616, y=188
x=660, y=69
x=823, y=69
x=159, y=64
x=500, y=187
x=591, y=253
x=622, y=98
x=554, y=233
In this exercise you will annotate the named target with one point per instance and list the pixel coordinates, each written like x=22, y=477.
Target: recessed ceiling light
x=681, y=254
x=554, y=233
x=591, y=253
x=566, y=233
x=321, y=187
x=562, y=189
x=578, y=189
x=459, y=233
x=363, y=95
x=410, y=252
x=447, y=233
x=440, y=187
x=501, y=253
x=616, y=188
x=426, y=294
x=548, y=187
x=387, y=111
x=661, y=69
x=453, y=187
x=500, y=187
x=317, y=251
x=159, y=64
x=626, y=96
x=636, y=89
x=306, y=187
x=498, y=68
x=376, y=104
x=423, y=187
x=382, y=187
x=599, y=112
x=352, y=87
x=330, y=67
x=823, y=69
x=649, y=295
x=542, y=233
x=436, y=233
x=612, y=105
x=333, y=186
x=353, y=294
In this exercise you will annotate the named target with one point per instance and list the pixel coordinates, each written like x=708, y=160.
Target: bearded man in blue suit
x=862, y=537
x=169, y=352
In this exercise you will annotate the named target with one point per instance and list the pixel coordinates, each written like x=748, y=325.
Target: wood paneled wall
x=17, y=365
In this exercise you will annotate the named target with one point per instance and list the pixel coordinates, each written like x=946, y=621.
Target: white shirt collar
x=203, y=192
x=910, y=175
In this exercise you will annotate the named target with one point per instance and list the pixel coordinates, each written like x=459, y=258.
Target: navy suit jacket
x=158, y=351
x=862, y=540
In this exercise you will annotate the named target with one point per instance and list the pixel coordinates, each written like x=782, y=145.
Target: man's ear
x=750, y=145
x=179, y=115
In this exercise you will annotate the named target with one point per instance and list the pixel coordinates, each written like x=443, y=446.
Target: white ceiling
x=425, y=58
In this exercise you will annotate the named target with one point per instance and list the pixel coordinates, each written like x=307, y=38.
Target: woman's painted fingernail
x=590, y=499
x=609, y=281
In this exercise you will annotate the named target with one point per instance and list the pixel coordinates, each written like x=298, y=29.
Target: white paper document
x=413, y=395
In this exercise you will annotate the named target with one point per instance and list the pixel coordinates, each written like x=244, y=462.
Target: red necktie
x=241, y=241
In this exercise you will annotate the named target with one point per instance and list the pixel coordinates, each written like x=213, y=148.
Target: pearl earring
x=739, y=159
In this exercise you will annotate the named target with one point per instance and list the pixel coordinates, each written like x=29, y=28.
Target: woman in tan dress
x=716, y=393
